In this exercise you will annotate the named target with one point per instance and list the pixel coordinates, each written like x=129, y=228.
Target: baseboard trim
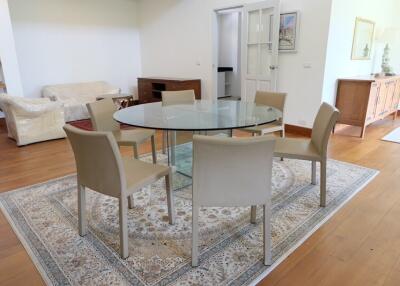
x=298, y=130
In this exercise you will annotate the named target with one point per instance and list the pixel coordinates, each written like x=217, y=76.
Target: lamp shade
x=388, y=35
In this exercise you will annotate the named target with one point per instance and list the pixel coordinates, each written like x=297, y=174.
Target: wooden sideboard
x=364, y=100
x=150, y=89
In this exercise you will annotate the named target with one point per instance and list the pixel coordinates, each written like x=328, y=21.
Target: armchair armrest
x=35, y=110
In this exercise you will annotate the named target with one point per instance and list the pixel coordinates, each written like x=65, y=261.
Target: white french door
x=260, y=44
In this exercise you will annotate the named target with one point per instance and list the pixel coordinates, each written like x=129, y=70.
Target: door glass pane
x=254, y=26
x=252, y=59
x=265, y=59
x=266, y=25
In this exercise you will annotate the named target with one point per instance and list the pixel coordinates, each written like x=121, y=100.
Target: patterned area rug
x=44, y=217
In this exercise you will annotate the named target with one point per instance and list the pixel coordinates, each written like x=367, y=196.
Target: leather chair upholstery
x=101, y=168
x=314, y=149
x=273, y=99
x=232, y=172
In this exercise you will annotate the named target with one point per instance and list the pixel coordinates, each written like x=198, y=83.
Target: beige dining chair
x=232, y=172
x=101, y=114
x=178, y=97
x=101, y=168
x=175, y=98
x=314, y=149
x=273, y=99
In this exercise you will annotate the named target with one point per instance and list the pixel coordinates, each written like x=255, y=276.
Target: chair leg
x=195, y=236
x=135, y=151
x=323, y=183
x=313, y=172
x=153, y=149
x=131, y=202
x=123, y=228
x=164, y=143
x=82, y=210
x=253, y=214
x=170, y=199
x=267, y=234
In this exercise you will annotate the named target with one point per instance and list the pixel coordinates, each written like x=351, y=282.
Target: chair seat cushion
x=302, y=149
x=140, y=174
x=131, y=137
x=265, y=128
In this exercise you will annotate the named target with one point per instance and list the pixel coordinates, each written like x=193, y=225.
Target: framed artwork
x=288, y=31
x=363, y=39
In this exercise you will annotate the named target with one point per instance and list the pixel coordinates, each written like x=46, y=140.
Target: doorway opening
x=246, y=40
x=229, y=38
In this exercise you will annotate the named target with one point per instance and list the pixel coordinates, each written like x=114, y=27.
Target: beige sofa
x=31, y=120
x=75, y=96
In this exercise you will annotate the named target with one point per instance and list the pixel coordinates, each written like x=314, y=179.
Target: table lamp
x=388, y=37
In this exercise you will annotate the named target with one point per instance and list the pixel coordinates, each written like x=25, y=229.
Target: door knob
x=273, y=67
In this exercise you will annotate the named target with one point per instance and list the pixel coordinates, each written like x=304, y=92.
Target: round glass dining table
x=201, y=117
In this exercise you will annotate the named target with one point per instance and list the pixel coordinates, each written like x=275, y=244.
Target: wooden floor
x=360, y=245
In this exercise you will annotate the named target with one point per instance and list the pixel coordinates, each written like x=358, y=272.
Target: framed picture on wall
x=363, y=39
x=289, y=31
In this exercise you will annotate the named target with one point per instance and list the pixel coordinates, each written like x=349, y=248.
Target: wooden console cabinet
x=364, y=100
x=150, y=89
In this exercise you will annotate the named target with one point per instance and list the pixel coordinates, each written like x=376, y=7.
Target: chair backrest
x=98, y=161
x=178, y=97
x=323, y=125
x=273, y=99
x=101, y=114
x=231, y=172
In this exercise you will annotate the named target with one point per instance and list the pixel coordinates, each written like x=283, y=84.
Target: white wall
x=8, y=56
x=62, y=41
x=339, y=64
x=176, y=40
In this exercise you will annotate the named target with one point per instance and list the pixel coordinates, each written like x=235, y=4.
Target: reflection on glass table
x=201, y=117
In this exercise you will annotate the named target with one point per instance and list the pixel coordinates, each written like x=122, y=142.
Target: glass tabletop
x=203, y=115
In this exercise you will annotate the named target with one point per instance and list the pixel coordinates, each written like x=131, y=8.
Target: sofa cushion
x=75, y=96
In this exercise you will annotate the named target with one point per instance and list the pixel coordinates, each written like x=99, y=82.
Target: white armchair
x=75, y=96
x=31, y=120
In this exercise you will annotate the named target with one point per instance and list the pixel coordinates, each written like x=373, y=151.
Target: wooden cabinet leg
x=363, y=132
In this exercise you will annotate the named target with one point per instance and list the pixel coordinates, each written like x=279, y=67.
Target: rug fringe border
x=37, y=184
x=25, y=244
x=309, y=234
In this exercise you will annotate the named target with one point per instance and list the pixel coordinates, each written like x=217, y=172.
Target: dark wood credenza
x=365, y=100
x=150, y=89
